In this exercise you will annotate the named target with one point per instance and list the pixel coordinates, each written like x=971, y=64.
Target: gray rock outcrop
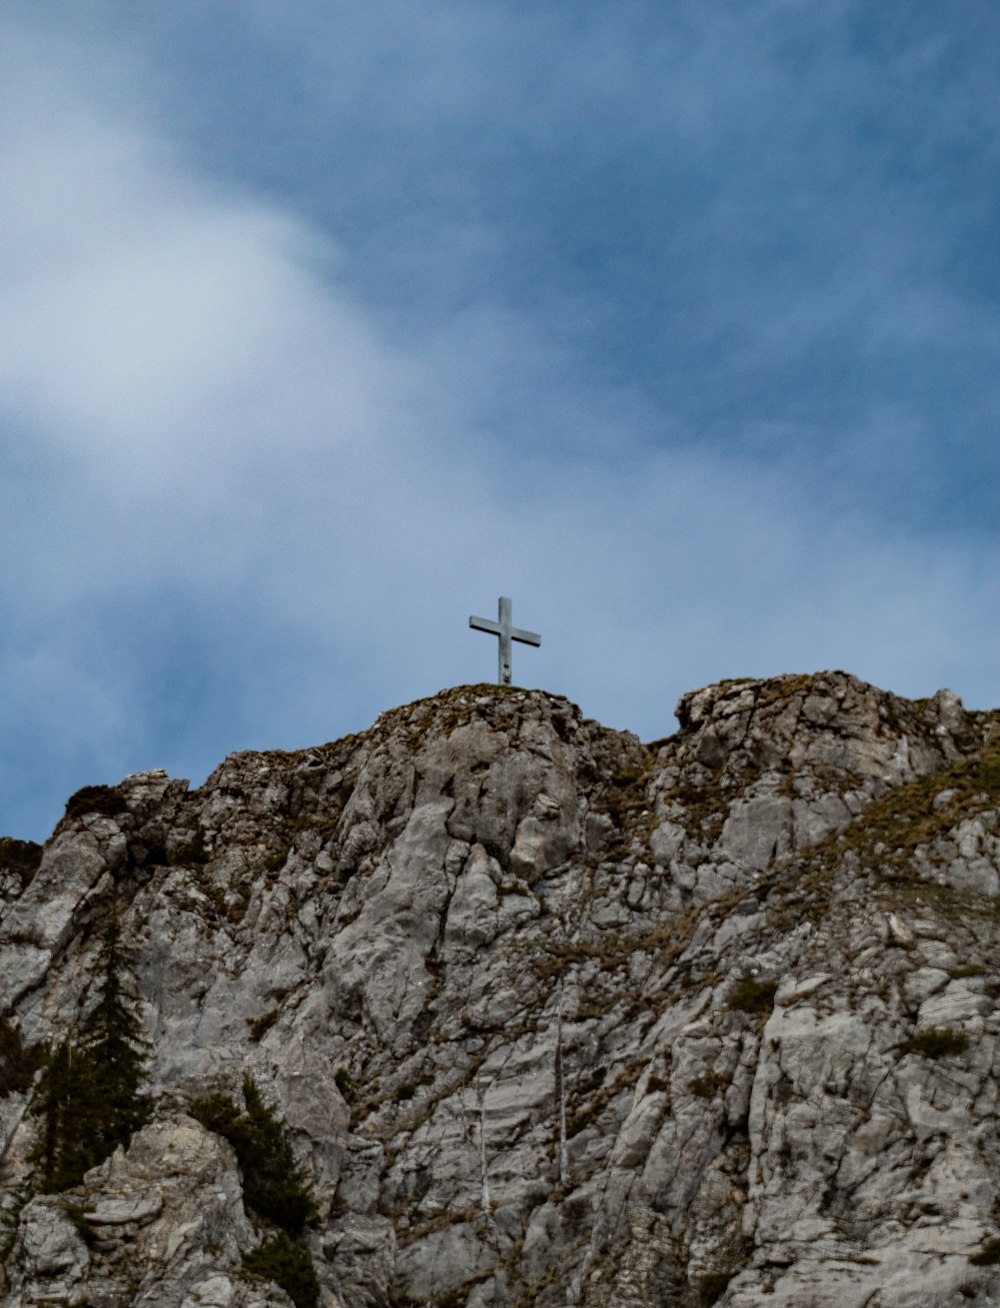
x=552, y=1016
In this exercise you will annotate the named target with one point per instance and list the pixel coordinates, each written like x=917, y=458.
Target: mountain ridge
x=550, y=1015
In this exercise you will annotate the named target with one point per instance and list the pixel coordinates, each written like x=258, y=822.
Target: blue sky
x=321, y=326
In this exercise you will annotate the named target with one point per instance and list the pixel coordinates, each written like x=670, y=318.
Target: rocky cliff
x=552, y=1016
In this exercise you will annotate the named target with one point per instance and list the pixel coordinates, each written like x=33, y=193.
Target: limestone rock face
x=162, y=1225
x=552, y=1016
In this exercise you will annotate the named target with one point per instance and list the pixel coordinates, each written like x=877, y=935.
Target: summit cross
x=507, y=633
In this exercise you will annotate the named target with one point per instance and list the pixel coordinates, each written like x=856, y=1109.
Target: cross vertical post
x=505, y=659
x=507, y=634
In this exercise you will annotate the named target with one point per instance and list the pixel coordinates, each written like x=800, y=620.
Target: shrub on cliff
x=752, y=996
x=274, y=1186
x=108, y=801
x=20, y=856
x=273, y=1183
x=289, y=1266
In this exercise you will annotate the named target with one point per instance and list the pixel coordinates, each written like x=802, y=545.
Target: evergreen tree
x=68, y=1105
x=113, y=1046
x=88, y=1098
x=274, y=1185
x=273, y=1182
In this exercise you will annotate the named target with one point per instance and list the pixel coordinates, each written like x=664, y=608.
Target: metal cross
x=507, y=633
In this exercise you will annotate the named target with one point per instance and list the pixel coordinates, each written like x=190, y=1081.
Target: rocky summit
x=524, y=1011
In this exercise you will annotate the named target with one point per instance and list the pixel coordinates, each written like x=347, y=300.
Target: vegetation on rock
x=191, y=853
x=15, y=1201
x=918, y=812
x=988, y=1255
x=936, y=1042
x=89, y=1098
x=713, y=1286
x=18, y=1062
x=344, y=1082
x=274, y=1185
x=288, y=1265
x=259, y=1026
x=80, y=1217
x=107, y=801
x=752, y=996
x=20, y=856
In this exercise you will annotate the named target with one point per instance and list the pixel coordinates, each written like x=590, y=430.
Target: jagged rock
x=552, y=1016
x=155, y=1227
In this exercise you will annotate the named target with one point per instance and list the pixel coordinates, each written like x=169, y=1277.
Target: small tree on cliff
x=274, y=1185
x=112, y=1042
x=65, y=1102
x=89, y=1098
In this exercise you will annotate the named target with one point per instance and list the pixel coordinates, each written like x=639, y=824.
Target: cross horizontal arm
x=525, y=637
x=484, y=624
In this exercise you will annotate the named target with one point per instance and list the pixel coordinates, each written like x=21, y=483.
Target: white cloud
x=199, y=422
